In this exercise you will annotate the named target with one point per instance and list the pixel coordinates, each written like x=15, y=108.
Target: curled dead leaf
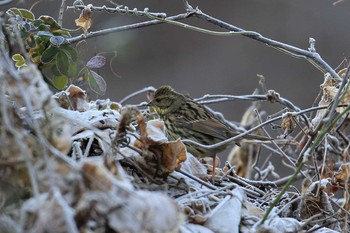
x=343, y=175
x=173, y=154
x=330, y=89
x=73, y=98
x=165, y=155
x=84, y=21
x=288, y=124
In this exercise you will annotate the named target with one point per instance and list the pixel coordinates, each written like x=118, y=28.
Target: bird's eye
x=157, y=100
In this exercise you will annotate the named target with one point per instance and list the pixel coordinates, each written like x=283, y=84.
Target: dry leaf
x=97, y=177
x=288, y=124
x=330, y=89
x=316, y=201
x=146, y=212
x=226, y=217
x=84, y=21
x=48, y=213
x=73, y=98
x=156, y=131
x=168, y=155
x=343, y=175
x=173, y=154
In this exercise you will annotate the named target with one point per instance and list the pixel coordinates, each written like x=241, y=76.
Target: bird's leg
x=214, y=166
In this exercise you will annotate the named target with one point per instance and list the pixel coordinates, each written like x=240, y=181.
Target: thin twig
x=60, y=13
x=124, y=28
x=146, y=89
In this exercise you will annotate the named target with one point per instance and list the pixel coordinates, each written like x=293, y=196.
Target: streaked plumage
x=187, y=119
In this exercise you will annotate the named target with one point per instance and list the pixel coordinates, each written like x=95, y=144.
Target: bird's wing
x=211, y=127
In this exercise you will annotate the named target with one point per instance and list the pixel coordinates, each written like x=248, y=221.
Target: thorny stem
x=310, y=55
x=124, y=28
x=118, y=9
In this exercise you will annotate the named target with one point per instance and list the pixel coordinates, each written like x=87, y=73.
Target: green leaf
x=45, y=33
x=37, y=23
x=43, y=28
x=48, y=20
x=19, y=59
x=23, y=13
x=62, y=62
x=96, y=62
x=71, y=52
x=20, y=64
x=62, y=32
x=96, y=82
x=26, y=14
x=57, y=40
x=55, y=70
x=49, y=54
x=14, y=12
x=60, y=82
x=72, y=70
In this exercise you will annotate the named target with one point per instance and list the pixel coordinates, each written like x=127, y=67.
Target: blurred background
x=200, y=64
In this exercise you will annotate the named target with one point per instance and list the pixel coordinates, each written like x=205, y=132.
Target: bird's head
x=166, y=100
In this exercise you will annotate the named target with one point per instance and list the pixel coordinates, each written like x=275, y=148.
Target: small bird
x=186, y=119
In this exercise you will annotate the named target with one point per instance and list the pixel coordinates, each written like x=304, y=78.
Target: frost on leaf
x=330, y=89
x=164, y=156
x=84, y=21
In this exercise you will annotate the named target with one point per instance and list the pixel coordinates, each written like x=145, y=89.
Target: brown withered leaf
x=84, y=21
x=173, y=154
x=170, y=154
x=330, y=89
x=97, y=177
x=288, y=124
x=127, y=115
x=315, y=200
x=342, y=176
x=73, y=98
x=159, y=154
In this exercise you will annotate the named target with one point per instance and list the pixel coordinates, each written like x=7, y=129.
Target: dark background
x=200, y=64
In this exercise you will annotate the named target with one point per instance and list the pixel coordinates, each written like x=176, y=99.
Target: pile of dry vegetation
x=68, y=164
